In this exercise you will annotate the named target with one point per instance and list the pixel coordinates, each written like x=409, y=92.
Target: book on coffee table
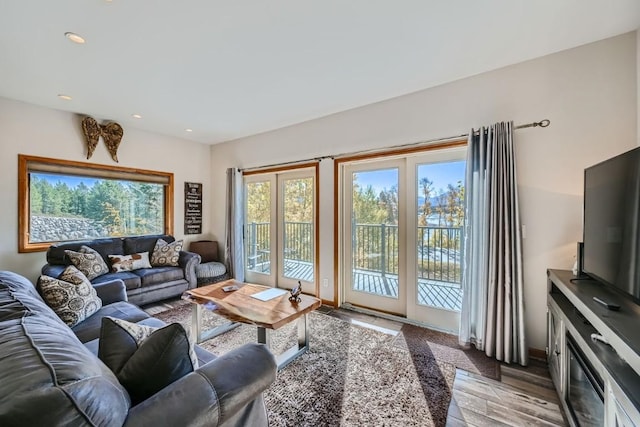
x=269, y=294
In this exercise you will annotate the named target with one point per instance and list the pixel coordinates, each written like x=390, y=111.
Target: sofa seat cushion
x=130, y=278
x=90, y=328
x=153, y=276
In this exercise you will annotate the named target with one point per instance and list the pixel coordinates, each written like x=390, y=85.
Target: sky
x=71, y=181
x=441, y=174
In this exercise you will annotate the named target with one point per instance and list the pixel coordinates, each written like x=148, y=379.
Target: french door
x=401, y=223
x=373, y=232
x=280, y=228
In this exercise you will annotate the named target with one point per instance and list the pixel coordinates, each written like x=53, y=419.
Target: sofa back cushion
x=134, y=245
x=47, y=376
x=56, y=254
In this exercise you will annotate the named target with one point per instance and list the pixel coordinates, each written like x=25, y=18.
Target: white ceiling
x=229, y=69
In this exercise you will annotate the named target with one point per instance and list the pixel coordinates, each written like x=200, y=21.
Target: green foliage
x=375, y=219
x=122, y=207
x=258, y=196
x=298, y=213
x=298, y=200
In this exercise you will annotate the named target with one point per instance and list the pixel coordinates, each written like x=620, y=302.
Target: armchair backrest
x=207, y=249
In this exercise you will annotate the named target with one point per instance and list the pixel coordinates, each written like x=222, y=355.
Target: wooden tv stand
x=572, y=309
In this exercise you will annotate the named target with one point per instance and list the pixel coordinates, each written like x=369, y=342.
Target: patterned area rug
x=351, y=376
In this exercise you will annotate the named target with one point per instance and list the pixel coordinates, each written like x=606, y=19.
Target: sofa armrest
x=188, y=262
x=213, y=394
x=112, y=291
x=52, y=270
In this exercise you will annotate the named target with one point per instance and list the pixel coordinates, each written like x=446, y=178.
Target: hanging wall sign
x=192, y=208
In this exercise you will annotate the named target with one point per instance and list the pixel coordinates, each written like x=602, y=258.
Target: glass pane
x=374, y=232
x=582, y=396
x=257, y=228
x=298, y=229
x=68, y=207
x=440, y=218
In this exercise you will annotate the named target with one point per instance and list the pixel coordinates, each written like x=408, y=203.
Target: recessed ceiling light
x=136, y=116
x=65, y=97
x=74, y=37
x=188, y=130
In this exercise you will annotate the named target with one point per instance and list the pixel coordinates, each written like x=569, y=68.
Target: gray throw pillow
x=166, y=254
x=71, y=296
x=145, y=359
x=88, y=261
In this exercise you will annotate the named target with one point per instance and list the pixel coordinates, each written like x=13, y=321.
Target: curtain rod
x=542, y=123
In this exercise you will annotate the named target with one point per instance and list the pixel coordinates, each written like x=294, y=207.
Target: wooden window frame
x=89, y=170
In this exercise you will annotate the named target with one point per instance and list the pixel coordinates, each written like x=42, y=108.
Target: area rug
x=351, y=376
x=443, y=346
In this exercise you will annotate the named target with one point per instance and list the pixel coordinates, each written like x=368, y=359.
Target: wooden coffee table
x=240, y=306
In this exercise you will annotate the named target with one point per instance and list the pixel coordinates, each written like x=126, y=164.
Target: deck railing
x=375, y=248
x=298, y=242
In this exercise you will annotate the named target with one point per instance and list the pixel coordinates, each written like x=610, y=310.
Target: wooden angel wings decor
x=111, y=135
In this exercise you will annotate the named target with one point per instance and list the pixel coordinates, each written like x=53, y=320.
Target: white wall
x=32, y=130
x=588, y=93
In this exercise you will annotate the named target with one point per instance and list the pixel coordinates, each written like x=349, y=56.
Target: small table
x=239, y=306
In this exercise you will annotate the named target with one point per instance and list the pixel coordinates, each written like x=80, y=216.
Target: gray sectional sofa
x=50, y=374
x=143, y=286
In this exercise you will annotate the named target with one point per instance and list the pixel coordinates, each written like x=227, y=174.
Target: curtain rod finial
x=543, y=123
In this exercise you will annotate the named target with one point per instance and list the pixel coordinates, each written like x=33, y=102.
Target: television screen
x=611, y=222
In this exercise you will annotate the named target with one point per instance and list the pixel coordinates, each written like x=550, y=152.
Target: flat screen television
x=612, y=222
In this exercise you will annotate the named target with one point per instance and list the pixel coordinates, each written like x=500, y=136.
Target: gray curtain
x=492, y=316
x=234, y=225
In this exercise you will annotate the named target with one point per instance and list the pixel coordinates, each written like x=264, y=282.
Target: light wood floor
x=523, y=396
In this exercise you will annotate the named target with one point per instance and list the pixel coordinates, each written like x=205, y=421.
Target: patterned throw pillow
x=129, y=262
x=71, y=295
x=166, y=254
x=88, y=261
x=145, y=359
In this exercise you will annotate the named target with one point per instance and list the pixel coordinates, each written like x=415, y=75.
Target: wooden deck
x=430, y=292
